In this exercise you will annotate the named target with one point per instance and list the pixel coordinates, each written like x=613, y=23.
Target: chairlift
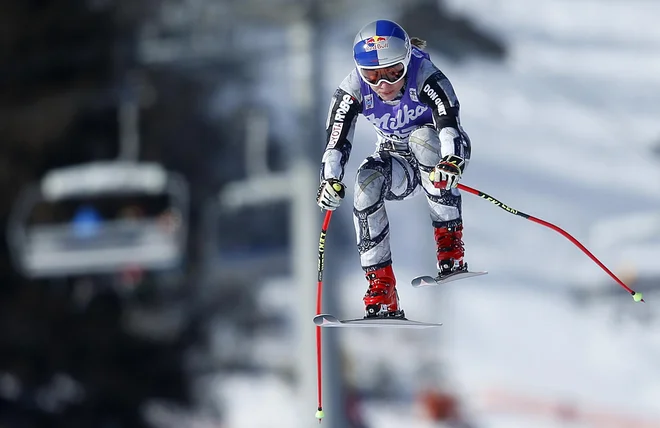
x=89, y=243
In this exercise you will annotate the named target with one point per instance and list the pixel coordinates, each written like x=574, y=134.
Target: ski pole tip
x=637, y=297
x=319, y=414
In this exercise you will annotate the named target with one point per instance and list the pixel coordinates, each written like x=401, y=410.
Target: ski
x=425, y=280
x=327, y=320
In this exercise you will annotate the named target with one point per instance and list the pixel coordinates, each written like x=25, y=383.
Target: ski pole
x=319, y=294
x=637, y=297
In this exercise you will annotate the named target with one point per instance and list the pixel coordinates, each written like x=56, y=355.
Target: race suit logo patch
x=344, y=106
x=334, y=134
x=435, y=98
x=368, y=101
x=403, y=117
x=413, y=95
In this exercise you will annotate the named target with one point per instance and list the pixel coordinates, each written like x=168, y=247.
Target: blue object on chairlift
x=86, y=222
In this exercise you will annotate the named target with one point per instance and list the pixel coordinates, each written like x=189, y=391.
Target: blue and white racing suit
x=414, y=132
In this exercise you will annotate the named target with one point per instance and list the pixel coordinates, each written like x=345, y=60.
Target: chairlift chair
x=94, y=245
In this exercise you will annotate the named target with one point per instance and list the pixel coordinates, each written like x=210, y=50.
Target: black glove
x=330, y=194
x=447, y=173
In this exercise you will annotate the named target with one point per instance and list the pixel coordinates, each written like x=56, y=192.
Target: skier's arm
x=437, y=92
x=340, y=127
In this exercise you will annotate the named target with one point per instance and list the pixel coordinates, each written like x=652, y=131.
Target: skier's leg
x=382, y=176
x=445, y=205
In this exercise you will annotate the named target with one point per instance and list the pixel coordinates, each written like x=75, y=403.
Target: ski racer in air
x=420, y=148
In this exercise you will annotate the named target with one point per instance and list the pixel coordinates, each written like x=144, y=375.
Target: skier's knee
x=369, y=187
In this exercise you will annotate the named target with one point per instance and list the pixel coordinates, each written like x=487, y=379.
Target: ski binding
x=425, y=280
x=327, y=320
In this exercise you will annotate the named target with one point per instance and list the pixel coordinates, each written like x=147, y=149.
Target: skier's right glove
x=330, y=194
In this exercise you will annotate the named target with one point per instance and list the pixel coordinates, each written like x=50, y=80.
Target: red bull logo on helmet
x=375, y=43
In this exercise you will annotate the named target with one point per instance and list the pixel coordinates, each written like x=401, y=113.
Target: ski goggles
x=391, y=74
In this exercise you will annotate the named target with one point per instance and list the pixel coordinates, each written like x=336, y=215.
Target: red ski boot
x=450, y=249
x=382, y=299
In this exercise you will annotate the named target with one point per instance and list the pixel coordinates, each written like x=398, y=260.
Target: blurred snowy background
x=181, y=294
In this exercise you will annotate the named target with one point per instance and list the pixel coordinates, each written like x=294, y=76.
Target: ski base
x=327, y=320
x=425, y=280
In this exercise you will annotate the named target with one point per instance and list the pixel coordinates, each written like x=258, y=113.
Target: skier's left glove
x=447, y=173
x=330, y=194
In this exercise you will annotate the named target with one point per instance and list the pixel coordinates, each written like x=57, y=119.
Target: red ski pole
x=319, y=294
x=636, y=296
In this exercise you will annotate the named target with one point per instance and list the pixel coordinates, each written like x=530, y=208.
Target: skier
x=420, y=146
